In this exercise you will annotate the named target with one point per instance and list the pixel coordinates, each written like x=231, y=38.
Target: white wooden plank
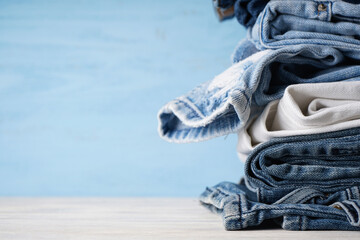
x=127, y=218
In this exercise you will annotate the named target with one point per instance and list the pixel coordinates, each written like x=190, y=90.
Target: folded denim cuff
x=213, y=109
x=327, y=162
x=238, y=212
x=226, y=103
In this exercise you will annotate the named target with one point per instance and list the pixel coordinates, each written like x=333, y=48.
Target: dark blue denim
x=301, y=209
x=327, y=162
x=247, y=11
x=308, y=182
x=224, y=3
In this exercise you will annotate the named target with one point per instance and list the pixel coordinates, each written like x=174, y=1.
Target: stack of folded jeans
x=293, y=97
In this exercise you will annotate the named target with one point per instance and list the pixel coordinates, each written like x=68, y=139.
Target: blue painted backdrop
x=80, y=86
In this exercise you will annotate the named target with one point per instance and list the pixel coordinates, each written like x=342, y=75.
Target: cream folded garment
x=304, y=109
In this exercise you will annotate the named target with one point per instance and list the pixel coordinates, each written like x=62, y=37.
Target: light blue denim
x=328, y=162
x=245, y=48
x=301, y=209
x=332, y=23
x=226, y=103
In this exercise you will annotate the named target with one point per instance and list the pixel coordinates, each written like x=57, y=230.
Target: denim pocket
x=331, y=23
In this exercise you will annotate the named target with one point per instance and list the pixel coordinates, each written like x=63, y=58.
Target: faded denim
x=301, y=209
x=226, y=103
x=244, y=49
x=327, y=162
x=332, y=23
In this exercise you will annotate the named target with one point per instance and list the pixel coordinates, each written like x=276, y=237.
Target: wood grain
x=127, y=218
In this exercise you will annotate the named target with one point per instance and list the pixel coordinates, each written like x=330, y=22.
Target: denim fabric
x=331, y=23
x=247, y=11
x=327, y=162
x=244, y=49
x=294, y=211
x=224, y=3
x=226, y=103
x=302, y=195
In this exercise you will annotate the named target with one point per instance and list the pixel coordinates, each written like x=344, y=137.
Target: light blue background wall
x=80, y=86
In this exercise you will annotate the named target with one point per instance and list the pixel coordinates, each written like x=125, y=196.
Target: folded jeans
x=334, y=23
x=225, y=104
x=292, y=212
x=327, y=161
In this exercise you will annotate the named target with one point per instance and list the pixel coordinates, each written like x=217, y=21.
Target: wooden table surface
x=128, y=218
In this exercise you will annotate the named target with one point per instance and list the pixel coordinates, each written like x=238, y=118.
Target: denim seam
x=210, y=191
x=348, y=193
x=330, y=13
x=276, y=45
x=261, y=26
x=198, y=113
x=299, y=185
x=240, y=212
x=186, y=139
x=247, y=99
x=288, y=196
x=335, y=215
x=349, y=215
x=313, y=137
x=260, y=194
x=355, y=192
x=310, y=196
x=287, y=208
x=222, y=192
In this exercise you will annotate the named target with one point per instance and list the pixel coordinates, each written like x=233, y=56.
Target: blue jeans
x=226, y=103
x=244, y=49
x=301, y=209
x=332, y=23
x=328, y=162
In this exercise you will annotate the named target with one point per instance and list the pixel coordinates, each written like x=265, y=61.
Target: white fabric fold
x=304, y=109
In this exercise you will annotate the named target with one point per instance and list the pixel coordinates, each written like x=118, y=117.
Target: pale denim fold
x=225, y=104
x=304, y=109
x=334, y=23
